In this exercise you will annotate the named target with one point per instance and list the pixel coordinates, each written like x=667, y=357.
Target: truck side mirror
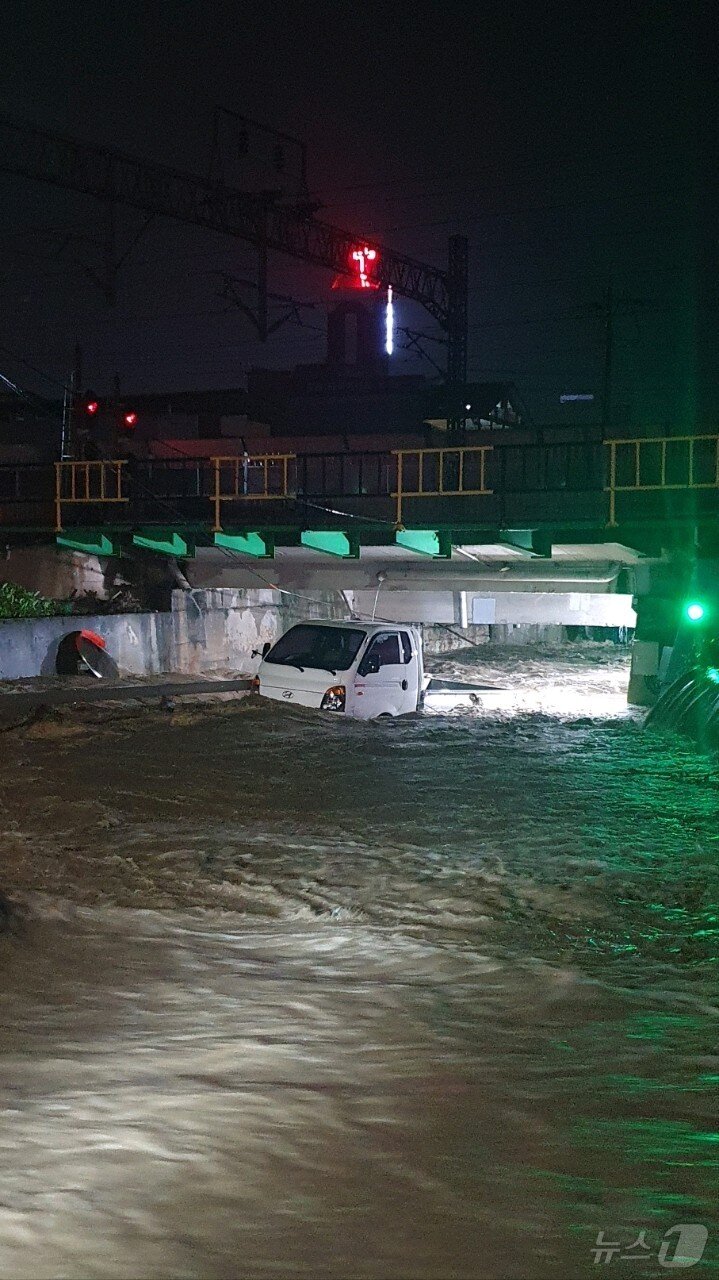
x=257, y=653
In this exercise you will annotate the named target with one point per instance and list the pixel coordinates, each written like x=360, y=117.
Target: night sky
x=571, y=145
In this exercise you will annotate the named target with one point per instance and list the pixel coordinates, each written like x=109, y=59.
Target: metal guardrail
x=87, y=482
x=366, y=474
x=660, y=463
x=27, y=483
x=649, y=464
x=260, y=477
x=453, y=472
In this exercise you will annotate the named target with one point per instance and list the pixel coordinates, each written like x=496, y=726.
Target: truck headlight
x=334, y=699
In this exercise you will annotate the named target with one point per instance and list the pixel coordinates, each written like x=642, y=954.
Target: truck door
x=410, y=658
x=381, y=684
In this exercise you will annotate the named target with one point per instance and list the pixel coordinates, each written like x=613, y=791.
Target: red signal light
x=91, y=407
x=130, y=419
x=361, y=260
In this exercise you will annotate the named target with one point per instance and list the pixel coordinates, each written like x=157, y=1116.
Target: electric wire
x=230, y=553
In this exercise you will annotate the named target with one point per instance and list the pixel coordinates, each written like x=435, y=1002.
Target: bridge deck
x=646, y=492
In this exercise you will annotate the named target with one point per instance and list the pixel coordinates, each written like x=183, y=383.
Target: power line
x=41, y=374
x=529, y=170
x=27, y=399
x=650, y=199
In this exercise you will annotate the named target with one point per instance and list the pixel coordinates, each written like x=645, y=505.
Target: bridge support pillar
x=665, y=640
x=657, y=621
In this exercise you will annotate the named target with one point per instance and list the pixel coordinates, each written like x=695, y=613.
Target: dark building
x=352, y=393
x=349, y=401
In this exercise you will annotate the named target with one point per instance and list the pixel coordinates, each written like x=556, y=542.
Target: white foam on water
x=311, y=998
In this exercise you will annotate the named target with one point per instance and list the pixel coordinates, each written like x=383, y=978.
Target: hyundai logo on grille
x=287, y=693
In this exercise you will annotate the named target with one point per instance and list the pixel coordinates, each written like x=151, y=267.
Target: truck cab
x=357, y=669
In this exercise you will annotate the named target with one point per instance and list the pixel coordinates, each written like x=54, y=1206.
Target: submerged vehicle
x=356, y=668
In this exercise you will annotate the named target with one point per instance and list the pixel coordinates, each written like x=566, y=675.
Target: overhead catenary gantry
x=158, y=190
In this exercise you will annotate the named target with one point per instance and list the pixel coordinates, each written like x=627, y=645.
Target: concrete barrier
x=139, y=643
x=206, y=631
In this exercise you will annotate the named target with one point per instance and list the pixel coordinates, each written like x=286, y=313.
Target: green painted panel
x=250, y=544
x=168, y=542
x=425, y=542
x=91, y=541
x=331, y=541
x=536, y=542
x=521, y=538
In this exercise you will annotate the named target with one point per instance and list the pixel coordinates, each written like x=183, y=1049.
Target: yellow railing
x=258, y=477
x=459, y=471
x=636, y=465
x=641, y=449
x=85, y=482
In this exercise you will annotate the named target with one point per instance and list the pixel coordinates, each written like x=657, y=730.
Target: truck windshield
x=322, y=648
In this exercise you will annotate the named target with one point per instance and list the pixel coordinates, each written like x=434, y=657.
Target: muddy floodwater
x=300, y=997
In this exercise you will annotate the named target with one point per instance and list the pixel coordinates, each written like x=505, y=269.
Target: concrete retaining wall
x=206, y=631
x=139, y=643
x=218, y=629
x=439, y=640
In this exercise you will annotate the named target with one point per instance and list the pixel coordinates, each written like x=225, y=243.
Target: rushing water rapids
x=302, y=997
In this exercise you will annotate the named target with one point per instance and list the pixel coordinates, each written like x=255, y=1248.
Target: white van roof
x=351, y=623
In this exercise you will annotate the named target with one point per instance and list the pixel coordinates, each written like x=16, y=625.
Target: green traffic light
x=695, y=611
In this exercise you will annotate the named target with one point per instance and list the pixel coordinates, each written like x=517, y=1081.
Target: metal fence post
x=218, y=526
x=398, y=454
x=612, y=481
x=58, y=497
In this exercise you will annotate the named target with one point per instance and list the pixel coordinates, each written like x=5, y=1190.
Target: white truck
x=360, y=669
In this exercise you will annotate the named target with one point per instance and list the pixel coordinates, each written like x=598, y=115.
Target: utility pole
x=262, y=306
x=66, y=415
x=72, y=410
x=231, y=291
x=456, y=328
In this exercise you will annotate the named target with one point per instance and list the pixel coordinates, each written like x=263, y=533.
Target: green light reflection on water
x=671, y=1142
x=638, y=1086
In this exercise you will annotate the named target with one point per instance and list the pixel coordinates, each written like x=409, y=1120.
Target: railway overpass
x=463, y=533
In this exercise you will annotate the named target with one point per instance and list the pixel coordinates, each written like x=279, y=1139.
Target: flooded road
x=302, y=997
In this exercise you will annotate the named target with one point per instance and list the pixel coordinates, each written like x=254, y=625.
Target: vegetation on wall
x=16, y=602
